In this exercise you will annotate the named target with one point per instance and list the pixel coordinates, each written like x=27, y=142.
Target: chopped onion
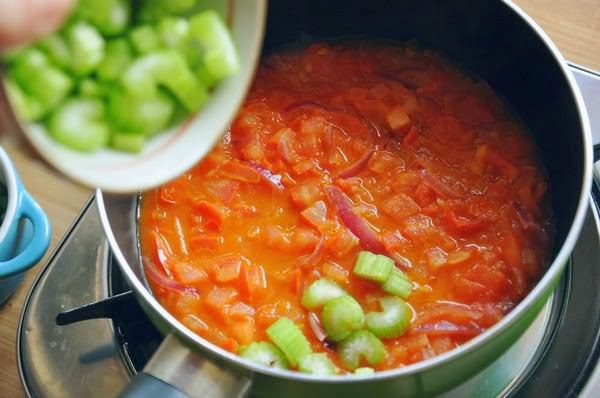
x=357, y=225
x=357, y=166
x=445, y=328
x=314, y=257
x=315, y=326
x=267, y=175
x=163, y=281
x=437, y=186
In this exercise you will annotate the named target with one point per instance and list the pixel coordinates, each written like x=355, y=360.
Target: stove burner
x=137, y=336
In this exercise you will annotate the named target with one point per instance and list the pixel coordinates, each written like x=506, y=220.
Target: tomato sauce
x=340, y=148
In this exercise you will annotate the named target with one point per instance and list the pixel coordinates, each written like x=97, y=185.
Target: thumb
x=22, y=21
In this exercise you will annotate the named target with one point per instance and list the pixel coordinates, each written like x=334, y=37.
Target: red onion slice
x=524, y=217
x=313, y=258
x=356, y=224
x=445, y=328
x=438, y=187
x=357, y=166
x=268, y=176
x=163, y=281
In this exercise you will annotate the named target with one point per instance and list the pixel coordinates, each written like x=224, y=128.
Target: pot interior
x=487, y=38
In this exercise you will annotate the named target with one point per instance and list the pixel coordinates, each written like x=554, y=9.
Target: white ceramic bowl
x=171, y=153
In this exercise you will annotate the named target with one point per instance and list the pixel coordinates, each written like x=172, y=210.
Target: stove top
x=103, y=344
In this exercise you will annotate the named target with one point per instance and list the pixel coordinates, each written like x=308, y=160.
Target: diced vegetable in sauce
x=371, y=206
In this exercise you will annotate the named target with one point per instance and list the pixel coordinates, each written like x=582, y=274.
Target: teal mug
x=24, y=232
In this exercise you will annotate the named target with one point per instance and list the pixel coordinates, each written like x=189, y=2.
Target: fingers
x=22, y=21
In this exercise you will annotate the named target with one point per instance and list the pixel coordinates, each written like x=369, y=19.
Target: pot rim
x=552, y=274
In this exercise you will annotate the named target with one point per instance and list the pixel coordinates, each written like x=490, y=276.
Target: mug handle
x=40, y=240
x=177, y=371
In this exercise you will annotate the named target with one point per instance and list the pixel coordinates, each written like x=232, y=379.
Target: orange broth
x=431, y=161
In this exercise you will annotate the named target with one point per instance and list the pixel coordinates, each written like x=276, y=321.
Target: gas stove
x=101, y=337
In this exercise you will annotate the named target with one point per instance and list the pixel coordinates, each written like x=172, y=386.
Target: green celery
x=364, y=371
x=57, y=50
x=118, y=56
x=374, y=267
x=266, y=354
x=167, y=68
x=141, y=115
x=341, y=316
x=145, y=39
x=220, y=55
x=87, y=48
x=25, y=107
x=79, y=124
x=320, y=292
x=393, y=321
x=289, y=338
x=127, y=142
x=175, y=33
x=206, y=78
x=39, y=79
x=111, y=17
x=397, y=284
x=317, y=364
x=151, y=10
x=361, y=346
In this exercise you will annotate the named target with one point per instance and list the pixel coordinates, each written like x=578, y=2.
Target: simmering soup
x=371, y=206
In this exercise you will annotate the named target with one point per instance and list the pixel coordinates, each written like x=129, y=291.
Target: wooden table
x=574, y=25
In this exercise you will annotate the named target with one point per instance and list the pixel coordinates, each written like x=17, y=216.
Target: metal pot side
x=499, y=43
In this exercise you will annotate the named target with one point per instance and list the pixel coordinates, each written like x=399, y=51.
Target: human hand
x=22, y=21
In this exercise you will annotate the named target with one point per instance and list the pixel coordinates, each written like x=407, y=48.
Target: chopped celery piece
x=79, y=124
x=55, y=47
x=375, y=267
x=87, y=48
x=397, y=284
x=341, y=316
x=174, y=33
x=320, y=292
x=220, y=56
x=118, y=56
x=127, y=142
x=393, y=321
x=110, y=17
x=145, y=39
x=205, y=77
x=25, y=107
x=364, y=371
x=266, y=354
x=289, y=338
x=153, y=9
x=359, y=347
x=167, y=68
x=91, y=88
x=143, y=115
x=317, y=364
x=39, y=79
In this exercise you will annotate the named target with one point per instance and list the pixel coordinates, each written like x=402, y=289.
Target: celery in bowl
x=126, y=98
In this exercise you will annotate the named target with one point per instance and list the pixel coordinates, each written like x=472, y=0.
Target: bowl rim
x=9, y=177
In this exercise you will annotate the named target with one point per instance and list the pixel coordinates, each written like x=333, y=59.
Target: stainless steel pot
x=496, y=41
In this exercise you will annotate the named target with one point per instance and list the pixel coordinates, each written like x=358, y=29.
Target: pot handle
x=176, y=371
